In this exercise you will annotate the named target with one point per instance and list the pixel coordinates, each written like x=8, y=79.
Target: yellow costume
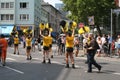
x=46, y=41
x=70, y=41
x=16, y=40
x=28, y=42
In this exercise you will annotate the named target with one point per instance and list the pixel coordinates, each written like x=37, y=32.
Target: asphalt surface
x=18, y=68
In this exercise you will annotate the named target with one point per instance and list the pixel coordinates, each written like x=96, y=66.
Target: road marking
x=117, y=73
x=55, y=62
x=17, y=55
x=14, y=70
x=11, y=59
x=37, y=59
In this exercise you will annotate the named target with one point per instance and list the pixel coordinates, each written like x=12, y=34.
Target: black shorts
x=28, y=47
x=15, y=45
x=45, y=48
x=69, y=49
x=50, y=45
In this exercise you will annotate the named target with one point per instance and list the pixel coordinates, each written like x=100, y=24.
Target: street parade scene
x=58, y=49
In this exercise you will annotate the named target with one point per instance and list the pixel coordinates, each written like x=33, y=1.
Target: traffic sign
x=116, y=10
x=81, y=25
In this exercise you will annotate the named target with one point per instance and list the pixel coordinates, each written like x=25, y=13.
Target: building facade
x=7, y=15
x=28, y=14
x=44, y=15
x=22, y=14
x=54, y=16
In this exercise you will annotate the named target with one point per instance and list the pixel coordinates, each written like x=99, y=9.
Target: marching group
x=91, y=46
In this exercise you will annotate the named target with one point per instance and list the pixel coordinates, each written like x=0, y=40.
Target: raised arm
x=73, y=32
x=41, y=33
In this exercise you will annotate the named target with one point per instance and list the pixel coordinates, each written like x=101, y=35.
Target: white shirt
x=103, y=40
x=118, y=41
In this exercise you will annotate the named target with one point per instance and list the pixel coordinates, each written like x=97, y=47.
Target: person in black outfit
x=39, y=43
x=91, y=50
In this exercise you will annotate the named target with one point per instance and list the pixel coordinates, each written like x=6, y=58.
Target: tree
x=82, y=9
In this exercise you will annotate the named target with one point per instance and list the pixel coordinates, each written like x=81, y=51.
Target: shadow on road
x=35, y=71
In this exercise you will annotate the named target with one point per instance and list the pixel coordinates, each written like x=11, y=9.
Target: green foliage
x=82, y=9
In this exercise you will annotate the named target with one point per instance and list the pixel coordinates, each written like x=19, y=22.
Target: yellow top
x=46, y=40
x=70, y=41
x=28, y=42
x=16, y=40
x=50, y=40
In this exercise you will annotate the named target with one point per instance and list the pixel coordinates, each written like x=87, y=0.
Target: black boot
x=30, y=57
x=73, y=66
x=14, y=53
x=44, y=61
x=18, y=53
x=49, y=61
x=99, y=69
x=67, y=66
x=51, y=56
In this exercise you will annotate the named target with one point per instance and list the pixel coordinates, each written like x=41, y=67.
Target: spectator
x=63, y=44
x=33, y=44
x=24, y=41
x=39, y=43
x=99, y=41
x=118, y=45
x=76, y=44
x=3, y=46
x=91, y=49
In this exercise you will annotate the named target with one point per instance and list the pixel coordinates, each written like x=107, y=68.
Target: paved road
x=18, y=68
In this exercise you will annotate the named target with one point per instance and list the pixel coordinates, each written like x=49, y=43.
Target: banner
x=91, y=20
x=24, y=27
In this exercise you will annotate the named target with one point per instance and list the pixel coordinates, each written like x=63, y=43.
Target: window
x=2, y=5
x=23, y=5
x=6, y=17
x=2, y=17
x=24, y=16
x=11, y=17
x=11, y=5
x=7, y=5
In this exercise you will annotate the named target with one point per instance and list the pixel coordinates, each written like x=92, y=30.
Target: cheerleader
x=16, y=44
x=28, y=47
x=69, y=50
x=46, y=45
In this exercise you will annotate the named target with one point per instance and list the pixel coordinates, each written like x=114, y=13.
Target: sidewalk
x=113, y=58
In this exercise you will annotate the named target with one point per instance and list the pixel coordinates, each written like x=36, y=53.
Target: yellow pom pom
x=51, y=29
x=24, y=30
x=41, y=26
x=87, y=29
x=47, y=26
x=74, y=25
x=81, y=31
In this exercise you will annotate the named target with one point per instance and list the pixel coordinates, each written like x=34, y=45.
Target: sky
x=52, y=2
